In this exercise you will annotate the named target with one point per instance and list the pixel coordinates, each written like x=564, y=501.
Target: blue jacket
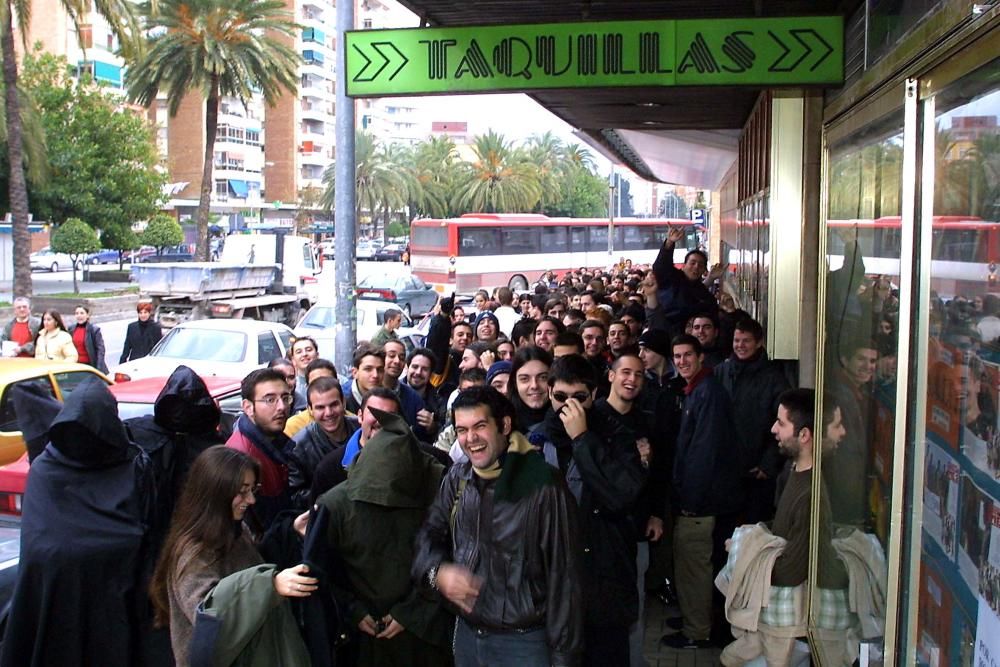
x=410, y=404
x=706, y=463
x=679, y=298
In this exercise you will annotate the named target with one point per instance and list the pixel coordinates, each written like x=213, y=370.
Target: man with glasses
x=602, y=466
x=267, y=402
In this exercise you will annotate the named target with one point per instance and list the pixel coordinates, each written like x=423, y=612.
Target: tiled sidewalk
x=659, y=656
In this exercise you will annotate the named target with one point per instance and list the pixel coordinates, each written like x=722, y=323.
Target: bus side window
x=479, y=241
x=521, y=240
x=598, y=239
x=554, y=239
x=578, y=239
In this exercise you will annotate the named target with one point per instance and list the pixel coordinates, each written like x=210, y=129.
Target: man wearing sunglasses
x=259, y=432
x=604, y=472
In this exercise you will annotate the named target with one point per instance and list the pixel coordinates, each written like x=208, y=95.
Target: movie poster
x=980, y=436
x=975, y=530
x=934, y=636
x=941, y=480
x=944, y=391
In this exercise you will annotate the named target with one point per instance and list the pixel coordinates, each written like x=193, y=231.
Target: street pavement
x=45, y=282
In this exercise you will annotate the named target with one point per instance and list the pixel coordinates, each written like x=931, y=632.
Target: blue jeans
x=478, y=648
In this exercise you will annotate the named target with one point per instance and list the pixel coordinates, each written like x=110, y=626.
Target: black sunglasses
x=563, y=397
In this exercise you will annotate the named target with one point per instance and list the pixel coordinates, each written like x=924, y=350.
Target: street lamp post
x=612, y=186
x=344, y=204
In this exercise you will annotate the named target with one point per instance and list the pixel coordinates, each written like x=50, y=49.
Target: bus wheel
x=518, y=283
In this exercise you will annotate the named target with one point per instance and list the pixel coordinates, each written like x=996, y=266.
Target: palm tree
x=576, y=155
x=33, y=144
x=216, y=48
x=122, y=20
x=378, y=184
x=433, y=164
x=499, y=181
x=547, y=153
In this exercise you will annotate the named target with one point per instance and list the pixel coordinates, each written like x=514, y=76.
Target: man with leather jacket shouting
x=499, y=543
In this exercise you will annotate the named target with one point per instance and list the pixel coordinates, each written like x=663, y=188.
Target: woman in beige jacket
x=54, y=342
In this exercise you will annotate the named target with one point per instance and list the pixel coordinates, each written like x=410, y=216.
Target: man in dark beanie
x=486, y=327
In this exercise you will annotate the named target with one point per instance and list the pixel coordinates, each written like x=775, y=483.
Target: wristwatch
x=432, y=576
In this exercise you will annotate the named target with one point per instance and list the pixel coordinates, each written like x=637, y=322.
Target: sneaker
x=682, y=641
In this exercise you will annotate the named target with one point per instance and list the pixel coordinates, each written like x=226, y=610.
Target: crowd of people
x=510, y=493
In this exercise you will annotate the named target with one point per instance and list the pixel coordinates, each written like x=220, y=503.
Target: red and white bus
x=486, y=250
x=965, y=250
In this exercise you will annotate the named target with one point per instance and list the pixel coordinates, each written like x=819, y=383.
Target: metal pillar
x=344, y=203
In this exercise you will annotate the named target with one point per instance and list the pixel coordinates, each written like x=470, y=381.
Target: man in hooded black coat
x=184, y=423
x=78, y=595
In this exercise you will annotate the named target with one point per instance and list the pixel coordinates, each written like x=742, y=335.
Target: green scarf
x=522, y=471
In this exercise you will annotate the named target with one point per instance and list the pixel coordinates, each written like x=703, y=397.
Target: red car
x=135, y=399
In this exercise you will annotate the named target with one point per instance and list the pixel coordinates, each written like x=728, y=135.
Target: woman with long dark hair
x=53, y=341
x=208, y=543
x=529, y=386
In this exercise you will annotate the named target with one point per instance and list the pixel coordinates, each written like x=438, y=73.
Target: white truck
x=270, y=277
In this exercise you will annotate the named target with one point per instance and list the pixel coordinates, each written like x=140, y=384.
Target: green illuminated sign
x=758, y=52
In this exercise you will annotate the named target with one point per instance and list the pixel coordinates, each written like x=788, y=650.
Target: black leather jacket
x=526, y=557
x=311, y=445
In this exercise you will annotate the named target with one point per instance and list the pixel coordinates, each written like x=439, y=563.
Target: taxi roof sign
x=773, y=52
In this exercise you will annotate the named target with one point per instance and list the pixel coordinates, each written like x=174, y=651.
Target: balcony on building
x=313, y=38
x=108, y=73
x=236, y=190
x=316, y=86
x=311, y=176
x=313, y=153
x=314, y=9
x=314, y=61
x=316, y=110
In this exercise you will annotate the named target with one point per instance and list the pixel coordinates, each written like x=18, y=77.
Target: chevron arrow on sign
x=384, y=52
x=786, y=62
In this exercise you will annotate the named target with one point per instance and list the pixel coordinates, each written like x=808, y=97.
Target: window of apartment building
x=368, y=24
x=86, y=35
x=253, y=137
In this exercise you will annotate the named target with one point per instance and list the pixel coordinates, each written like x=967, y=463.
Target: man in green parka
x=372, y=520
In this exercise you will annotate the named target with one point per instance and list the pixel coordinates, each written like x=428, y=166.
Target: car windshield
x=130, y=410
x=319, y=318
x=202, y=345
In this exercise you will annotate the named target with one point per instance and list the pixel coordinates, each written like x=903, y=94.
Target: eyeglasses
x=271, y=401
x=562, y=397
x=252, y=491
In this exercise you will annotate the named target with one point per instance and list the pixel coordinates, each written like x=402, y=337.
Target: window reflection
x=862, y=315
x=959, y=588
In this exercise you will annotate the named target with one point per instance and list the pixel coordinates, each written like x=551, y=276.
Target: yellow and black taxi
x=60, y=378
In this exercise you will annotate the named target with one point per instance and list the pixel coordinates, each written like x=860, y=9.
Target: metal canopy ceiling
x=644, y=128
